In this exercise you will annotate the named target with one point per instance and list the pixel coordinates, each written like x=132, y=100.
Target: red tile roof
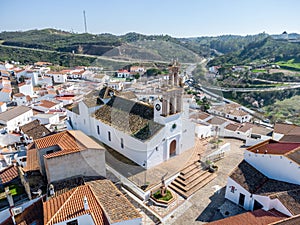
x=6, y=90
x=116, y=206
x=68, y=142
x=19, y=95
x=32, y=163
x=274, y=147
x=257, y=217
x=232, y=127
x=8, y=174
x=47, y=104
x=70, y=205
x=21, y=84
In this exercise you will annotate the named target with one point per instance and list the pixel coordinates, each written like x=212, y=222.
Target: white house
x=239, y=131
x=19, y=98
x=123, y=74
x=258, y=134
x=59, y=78
x=231, y=111
x=3, y=107
x=267, y=178
x=30, y=74
x=47, y=118
x=286, y=132
x=33, y=130
x=16, y=117
x=65, y=99
x=26, y=88
x=5, y=95
x=146, y=134
x=203, y=130
x=137, y=69
x=5, y=83
x=117, y=85
x=47, y=105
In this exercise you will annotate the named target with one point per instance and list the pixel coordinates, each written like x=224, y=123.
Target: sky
x=178, y=18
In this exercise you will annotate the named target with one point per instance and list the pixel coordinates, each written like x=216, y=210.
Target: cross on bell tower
x=174, y=76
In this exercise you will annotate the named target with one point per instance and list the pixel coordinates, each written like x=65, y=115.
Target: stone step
x=195, y=176
x=189, y=167
x=188, y=186
x=178, y=190
x=179, y=185
x=190, y=173
x=197, y=181
x=201, y=184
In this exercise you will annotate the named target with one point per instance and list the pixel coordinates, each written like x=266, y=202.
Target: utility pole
x=84, y=18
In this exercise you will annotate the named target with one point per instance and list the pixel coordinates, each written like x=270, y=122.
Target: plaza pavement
x=202, y=207
x=152, y=176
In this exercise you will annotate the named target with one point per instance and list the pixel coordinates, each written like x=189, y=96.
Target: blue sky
x=185, y=18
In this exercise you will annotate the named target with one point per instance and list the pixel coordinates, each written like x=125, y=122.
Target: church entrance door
x=173, y=148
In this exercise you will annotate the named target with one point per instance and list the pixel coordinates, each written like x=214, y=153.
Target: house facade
x=123, y=74
x=16, y=117
x=231, y=111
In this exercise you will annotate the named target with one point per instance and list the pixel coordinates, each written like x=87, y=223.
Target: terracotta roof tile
x=35, y=130
x=116, y=206
x=68, y=142
x=6, y=90
x=8, y=174
x=274, y=147
x=70, y=205
x=216, y=121
x=19, y=95
x=200, y=115
x=32, y=163
x=232, y=127
x=257, y=217
x=283, y=128
x=47, y=104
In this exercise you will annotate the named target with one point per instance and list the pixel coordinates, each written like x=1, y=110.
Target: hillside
x=153, y=50
x=126, y=47
x=262, y=51
x=213, y=46
x=227, y=49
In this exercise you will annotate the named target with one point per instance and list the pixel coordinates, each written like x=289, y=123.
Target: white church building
x=146, y=134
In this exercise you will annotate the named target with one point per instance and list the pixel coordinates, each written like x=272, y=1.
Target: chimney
x=85, y=203
x=51, y=190
x=9, y=197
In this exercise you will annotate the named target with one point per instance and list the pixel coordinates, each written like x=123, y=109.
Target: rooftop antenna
x=84, y=18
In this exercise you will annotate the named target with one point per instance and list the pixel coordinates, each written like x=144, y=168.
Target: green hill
x=262, y=51
x=153, y=50
x=129, y=46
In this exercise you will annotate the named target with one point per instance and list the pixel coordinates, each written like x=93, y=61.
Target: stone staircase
x=191, y=178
